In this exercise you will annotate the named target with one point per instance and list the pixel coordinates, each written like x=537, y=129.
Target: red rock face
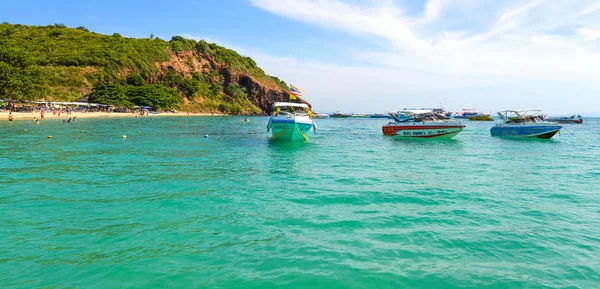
x=263, y=95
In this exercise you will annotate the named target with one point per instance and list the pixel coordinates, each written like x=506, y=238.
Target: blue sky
x=378, y=55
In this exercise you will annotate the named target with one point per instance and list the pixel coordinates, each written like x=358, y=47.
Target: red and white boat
x=421, y=124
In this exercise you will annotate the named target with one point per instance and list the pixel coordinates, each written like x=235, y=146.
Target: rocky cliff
x=193, y=75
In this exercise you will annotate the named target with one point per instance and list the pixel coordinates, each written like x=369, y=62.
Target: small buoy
x=24, y=130
x=355, y=133
x=124, y=136
x=49, y=136
x=195, y=133
x=205, y=136
x=82, y=131
x=139, y=131
x=251, y=132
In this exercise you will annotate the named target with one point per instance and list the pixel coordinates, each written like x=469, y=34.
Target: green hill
x=58, y=63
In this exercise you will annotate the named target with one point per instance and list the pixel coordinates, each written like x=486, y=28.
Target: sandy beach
x=63, y=115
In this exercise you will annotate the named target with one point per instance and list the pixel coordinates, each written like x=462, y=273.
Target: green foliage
x=57, y=45
x=107, y=93
x=280, y=83
x=18, y=78
x=65, y=76
x=236, y=91
x=68, y=62
x=156, y=96
x=135, y=79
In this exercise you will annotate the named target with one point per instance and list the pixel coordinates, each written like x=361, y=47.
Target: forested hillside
x=58, y=63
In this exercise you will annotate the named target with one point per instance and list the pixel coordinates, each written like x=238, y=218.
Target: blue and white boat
x=524, y=123
x=291, y=122
x=566, y=119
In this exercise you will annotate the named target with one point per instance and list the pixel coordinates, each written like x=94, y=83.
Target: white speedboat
x=421, y=124
x=320, y=115
x=524, y=123
x=291, y=122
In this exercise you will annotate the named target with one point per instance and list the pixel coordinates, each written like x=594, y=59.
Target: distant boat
x=481, y=117
x=380, y=115
x=465, y=113
x=339, y=115
x=290, y=122
x=566, y=119
x=524, y=124
x=421, y=124
x=359, y=115
x=320, y=115
x=440, y=113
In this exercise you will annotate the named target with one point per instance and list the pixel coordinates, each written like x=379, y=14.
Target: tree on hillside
x=236, y=91
x=135, y=79
x=19, y=80
x=112, y=94
x=156, y=96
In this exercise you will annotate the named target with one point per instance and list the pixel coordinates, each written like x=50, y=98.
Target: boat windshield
x=290, y=110
x=413, y=116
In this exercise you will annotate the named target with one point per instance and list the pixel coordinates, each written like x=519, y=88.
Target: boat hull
x=525, y=131
x=422, y=131
x=480, y=118
x=572, y=121
x=290, y=130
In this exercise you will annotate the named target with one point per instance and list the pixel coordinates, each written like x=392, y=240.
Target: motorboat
x=359, y=115
x=566, y=119
x=466, y=113
x=340, y=115
x=440, y=113
x=320, y=115
x=421, y=124
x=481, y=117
x=291, y=122
x=524, y=123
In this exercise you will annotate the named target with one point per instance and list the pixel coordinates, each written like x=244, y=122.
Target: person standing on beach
x=10, y=116
x=42, y=113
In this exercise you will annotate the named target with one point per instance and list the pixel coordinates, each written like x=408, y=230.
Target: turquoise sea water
x=165, y=208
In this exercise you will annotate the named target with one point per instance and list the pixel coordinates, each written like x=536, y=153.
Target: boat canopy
x=520, y=115
x=520, y=112
x=413, y=111
x=292, y=104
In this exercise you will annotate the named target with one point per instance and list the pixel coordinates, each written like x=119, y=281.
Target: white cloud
x=589, y=34
x=544, y=48
x=378, y=18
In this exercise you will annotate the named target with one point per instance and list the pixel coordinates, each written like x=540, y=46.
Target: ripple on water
x=167, y=208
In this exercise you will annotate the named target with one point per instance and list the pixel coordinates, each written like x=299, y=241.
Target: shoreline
x=48, y=115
